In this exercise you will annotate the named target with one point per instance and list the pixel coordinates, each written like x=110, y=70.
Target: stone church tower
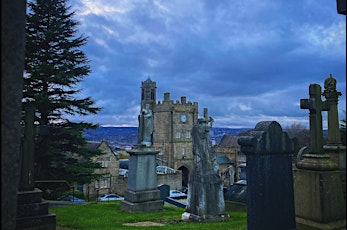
x=173, y=122
x=148, y=94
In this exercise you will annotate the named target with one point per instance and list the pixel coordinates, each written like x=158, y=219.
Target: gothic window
x=152, y=95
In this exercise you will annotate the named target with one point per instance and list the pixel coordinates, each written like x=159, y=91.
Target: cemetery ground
x=107, y=215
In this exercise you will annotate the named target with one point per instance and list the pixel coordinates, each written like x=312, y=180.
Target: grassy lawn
x=108, y=216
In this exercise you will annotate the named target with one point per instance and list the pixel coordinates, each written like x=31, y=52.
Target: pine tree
x=54, y=67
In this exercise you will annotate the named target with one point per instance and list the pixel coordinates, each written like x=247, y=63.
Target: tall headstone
x=12, y=66
x=270, y=192
x=319, y=202
x=142, y=194
x=334, y=147
x=205, y=187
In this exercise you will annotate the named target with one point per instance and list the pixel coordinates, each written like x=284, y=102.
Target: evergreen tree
x=54, y=67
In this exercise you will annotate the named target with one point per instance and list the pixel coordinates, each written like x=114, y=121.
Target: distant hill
x=127, y=136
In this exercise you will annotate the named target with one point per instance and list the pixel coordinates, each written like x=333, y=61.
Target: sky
x=245, y=60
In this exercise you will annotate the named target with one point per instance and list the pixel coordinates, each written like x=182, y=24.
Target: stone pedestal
x=337, y=154
x=319, y=202
x=205, y=199
x=142, y=194
x=32, y=213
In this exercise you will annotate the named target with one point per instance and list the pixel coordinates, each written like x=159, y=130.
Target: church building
x=173, y=122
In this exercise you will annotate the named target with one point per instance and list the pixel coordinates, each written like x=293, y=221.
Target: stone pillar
x=12, y=67
x=319, y=201
x=332, y=97
x=270, y=192
x=142, y=194
x=334, y=148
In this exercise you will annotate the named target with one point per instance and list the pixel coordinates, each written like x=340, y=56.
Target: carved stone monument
x=142, y=194
x=314, y=157
x=205, y=188
x=334, y=147
x=319, y=202
x=270, y=192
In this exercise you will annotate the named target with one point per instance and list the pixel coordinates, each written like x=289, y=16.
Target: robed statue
x=146, y=127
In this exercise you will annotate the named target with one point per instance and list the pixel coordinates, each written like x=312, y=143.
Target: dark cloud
x=245, y=61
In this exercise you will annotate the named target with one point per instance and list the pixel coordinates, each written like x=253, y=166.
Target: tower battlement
x=182, y=102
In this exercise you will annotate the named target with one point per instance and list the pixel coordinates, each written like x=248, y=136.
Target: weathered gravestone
x=142, y=194
x=205, y=188
x=270, y=193
x=319, y=202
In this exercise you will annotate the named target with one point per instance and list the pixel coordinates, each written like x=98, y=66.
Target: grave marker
x=270, y=192
x=314, y=157
x=319, y=201
x=142, y=194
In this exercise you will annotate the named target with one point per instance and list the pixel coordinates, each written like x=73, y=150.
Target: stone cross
x=206, y=114
x=315, y=105
x=332, y=96
x=206, y=118
x=27, y=181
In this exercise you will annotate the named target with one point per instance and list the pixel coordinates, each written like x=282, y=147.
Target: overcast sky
x=245, y=60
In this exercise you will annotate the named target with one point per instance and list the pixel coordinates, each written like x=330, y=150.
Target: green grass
x=108, y=216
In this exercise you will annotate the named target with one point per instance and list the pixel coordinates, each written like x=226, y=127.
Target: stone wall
x=173, y=180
